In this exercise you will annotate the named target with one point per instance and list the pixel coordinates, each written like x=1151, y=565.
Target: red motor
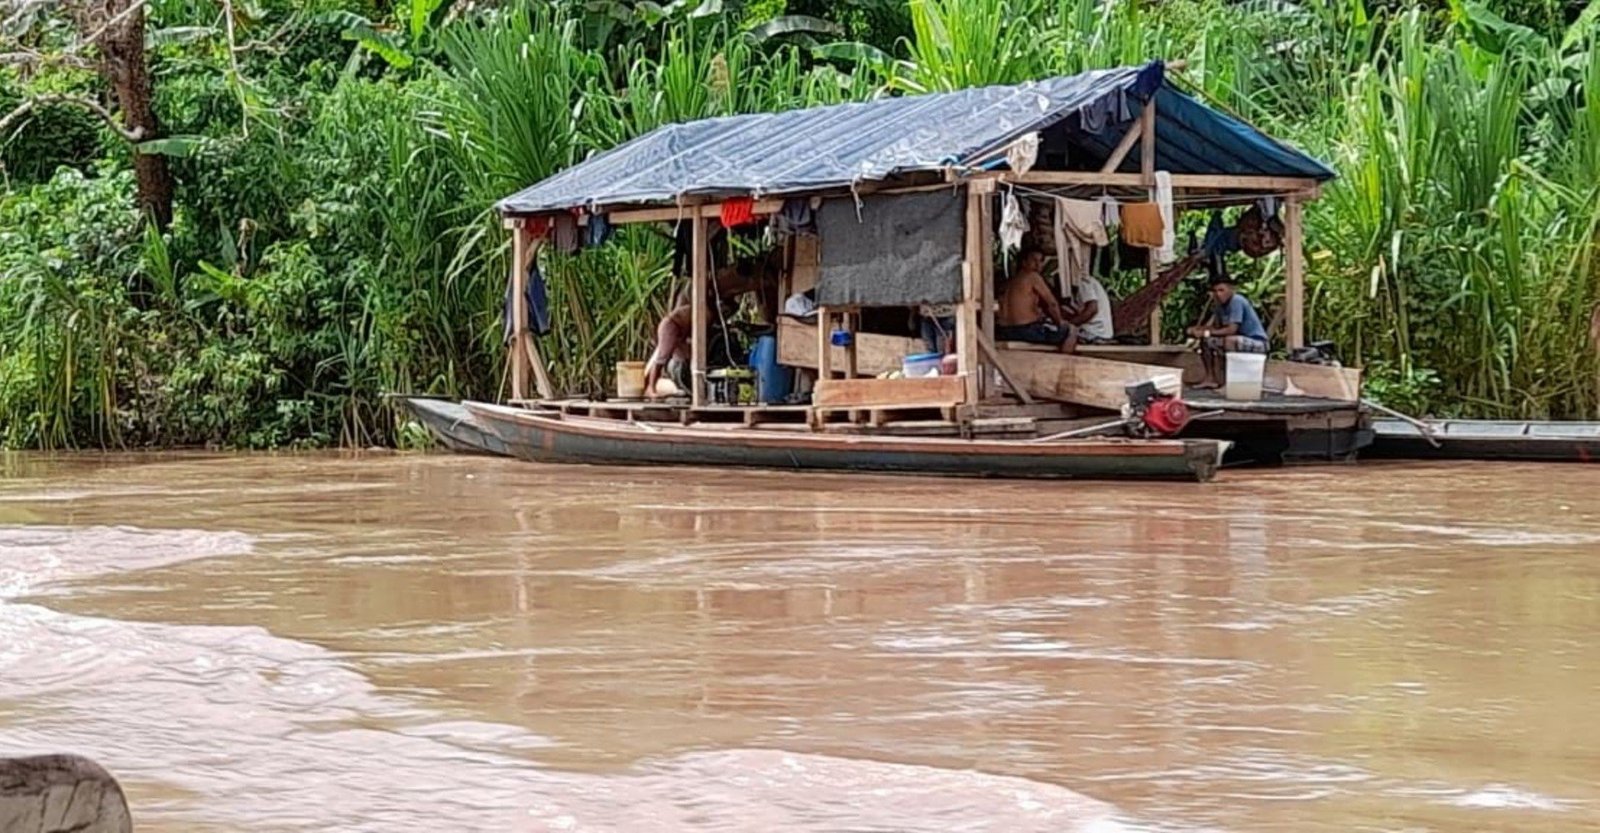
x=1152, y=413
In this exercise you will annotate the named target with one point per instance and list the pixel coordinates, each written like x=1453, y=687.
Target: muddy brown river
x=436, y=643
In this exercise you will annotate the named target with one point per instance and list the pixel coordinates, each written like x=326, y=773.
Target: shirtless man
x=1029, y=311
x=677, y=326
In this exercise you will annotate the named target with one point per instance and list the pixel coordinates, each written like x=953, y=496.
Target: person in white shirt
x=1089, y=309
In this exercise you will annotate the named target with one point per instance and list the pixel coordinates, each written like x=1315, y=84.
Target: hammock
x=1133, y=312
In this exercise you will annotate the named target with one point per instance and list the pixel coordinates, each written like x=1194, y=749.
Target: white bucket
x=630, y=380
x=1245, y=373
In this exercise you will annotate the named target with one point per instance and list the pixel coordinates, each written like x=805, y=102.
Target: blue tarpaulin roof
x=818, y=148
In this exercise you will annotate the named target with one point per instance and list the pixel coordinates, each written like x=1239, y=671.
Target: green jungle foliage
x=334, y=164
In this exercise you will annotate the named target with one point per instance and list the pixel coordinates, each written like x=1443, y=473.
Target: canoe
x=1484, y=439
x=550, y=437
x=453, y=426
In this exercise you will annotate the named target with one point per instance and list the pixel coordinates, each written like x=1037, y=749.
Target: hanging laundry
x=535, y=299
x=1080, y=226
x=1022, y=153
x=796, y=217
x=1166, y=252
x=1013, y=223
x=1110, y=212
x=538, y=228
x=1257, y=235
x=1042, y=224
x=1142, y=225
x=738, y=211
x=600, y=229
x=564, y=234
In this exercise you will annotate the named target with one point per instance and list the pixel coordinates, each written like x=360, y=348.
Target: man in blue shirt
x=1233, y=327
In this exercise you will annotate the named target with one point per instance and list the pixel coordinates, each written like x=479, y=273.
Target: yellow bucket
x=630, y=380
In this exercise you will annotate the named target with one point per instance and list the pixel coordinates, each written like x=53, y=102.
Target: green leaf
x=1578, y=33
x=707, y=8
x=422, y=12
x=178, y=36
x=178, y=147
x=793, y=23
x=852, y=51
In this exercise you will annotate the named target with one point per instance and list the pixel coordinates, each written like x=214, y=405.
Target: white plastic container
x=1245, y=373
x=921, y=364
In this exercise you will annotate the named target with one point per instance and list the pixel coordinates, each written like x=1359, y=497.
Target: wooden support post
x=851, y=324
x=986, y=281
x=1147, y=174
x=519, y=311
x=1294, y=263
x=824, y=351
x=1120, y=153
x=968, y=362
x=697, y=342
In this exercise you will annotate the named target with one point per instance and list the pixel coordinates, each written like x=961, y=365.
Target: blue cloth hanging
x=536, y=299
x=600, y=230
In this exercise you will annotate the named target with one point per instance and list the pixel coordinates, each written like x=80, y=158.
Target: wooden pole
x=1295, y=268
x=1147, y=174
x=519, y=311
x=986, y=280
x=697, y=343
x=968, y=362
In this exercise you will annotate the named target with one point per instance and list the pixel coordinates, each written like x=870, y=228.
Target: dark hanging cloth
x=599, y=230
x=796, y=217
x=536, y=300
x=902, y=250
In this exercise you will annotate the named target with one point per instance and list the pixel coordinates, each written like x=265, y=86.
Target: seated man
x=1089, y=309
x=673, y=347
x=1233, y=327
x=1029, y=311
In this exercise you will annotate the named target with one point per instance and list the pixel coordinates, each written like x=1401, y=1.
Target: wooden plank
x=850, y=319
x=1295, y=272
x=541, y=376
x=824, y=362
x=1120, y=152
x=928, y=392
x=1021, y=391
x=1223, y=182
x=1147, y=142
x=675, y=213
x=986, y=305
x=519, y=312
x=968, y=365
x=875, y=353
x=807, y=263
x=1081, y=380
x=697, y=272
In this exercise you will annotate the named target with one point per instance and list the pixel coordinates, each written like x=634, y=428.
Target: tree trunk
x=118, y=29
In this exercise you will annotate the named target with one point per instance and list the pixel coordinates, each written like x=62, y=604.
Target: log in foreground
x=60, y=794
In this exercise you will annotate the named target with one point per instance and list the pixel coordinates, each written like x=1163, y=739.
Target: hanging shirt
x=1013, y=224
x=1079, y=225
x=1142, y=225
x=1166, y=252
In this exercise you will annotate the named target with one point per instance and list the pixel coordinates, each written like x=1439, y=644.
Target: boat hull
x=454, y=427
x=1461, y=439
x=552, y=438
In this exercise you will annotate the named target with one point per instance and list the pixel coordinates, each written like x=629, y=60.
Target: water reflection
x=274, y=643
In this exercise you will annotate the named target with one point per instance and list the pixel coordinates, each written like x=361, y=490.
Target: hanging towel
x=600, y=230
x=1013, y=223
x=564, y=234
x=1141, y=224
x=1080, y=225
x=1110, y=213
x=1165, y=253
x=738, y=211
x=1022, y=153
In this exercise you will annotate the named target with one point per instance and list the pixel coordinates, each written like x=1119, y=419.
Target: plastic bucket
x=921, y=364
x=1245, y=372
x=630, y=380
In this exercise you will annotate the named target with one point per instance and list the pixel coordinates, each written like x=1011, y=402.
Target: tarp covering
x=900, y=250
x=839, y=145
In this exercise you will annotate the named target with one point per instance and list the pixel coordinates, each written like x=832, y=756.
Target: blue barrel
x=772, y=379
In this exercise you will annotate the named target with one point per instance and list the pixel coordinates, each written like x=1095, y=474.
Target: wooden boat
x=454, y=426
x=1482, y=439
x=546, y=436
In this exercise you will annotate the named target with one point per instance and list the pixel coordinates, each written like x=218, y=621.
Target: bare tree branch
x=30, y=104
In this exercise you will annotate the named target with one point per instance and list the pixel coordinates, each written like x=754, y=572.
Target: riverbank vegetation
x=285, y=213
